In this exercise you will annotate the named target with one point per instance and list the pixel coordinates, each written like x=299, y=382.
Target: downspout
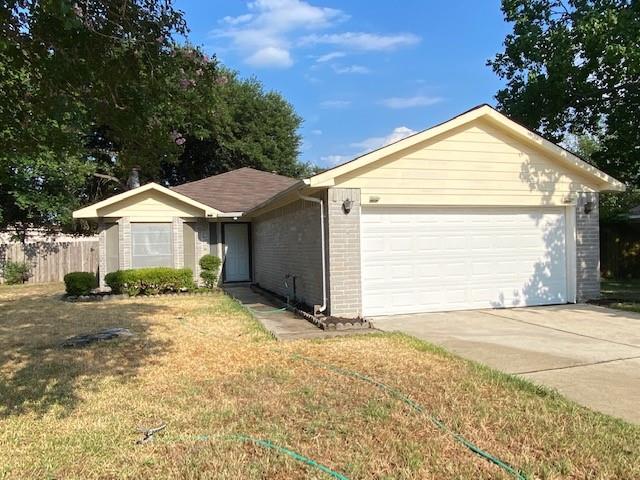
x=324, y=267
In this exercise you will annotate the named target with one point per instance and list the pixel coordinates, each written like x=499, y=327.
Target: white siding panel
x=477, y=164
x=420, y=259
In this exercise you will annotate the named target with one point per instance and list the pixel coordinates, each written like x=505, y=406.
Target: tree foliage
x=96, y=87
x=573, y=67
x=614, y=206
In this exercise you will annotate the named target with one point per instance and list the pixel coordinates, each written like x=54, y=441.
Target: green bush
x=80, y=283
x=209, y=266
x=150, y=281
x=16, y=272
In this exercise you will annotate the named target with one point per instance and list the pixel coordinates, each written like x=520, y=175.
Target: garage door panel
x=427, y=259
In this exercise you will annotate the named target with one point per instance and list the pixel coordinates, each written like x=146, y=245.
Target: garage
x=422, y=259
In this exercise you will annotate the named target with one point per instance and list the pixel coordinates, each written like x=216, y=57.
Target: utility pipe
x=324, y=267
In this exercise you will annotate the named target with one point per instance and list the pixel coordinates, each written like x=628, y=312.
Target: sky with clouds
x=360, y=73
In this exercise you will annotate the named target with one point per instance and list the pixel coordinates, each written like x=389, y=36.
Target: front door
x=236, y=259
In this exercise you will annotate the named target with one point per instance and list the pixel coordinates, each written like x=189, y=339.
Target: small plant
x=150, y=281
x=80, y=283
x=16, y=272
x=209, y=265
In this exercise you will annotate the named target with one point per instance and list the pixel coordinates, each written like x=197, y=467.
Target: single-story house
x=476, y=212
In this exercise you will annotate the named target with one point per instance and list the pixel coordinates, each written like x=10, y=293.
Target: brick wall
x=102, y=253
x=343, y=239
x=177, y=242
x=202, y=245
x=587, y=248
x=124, y=243
x=287, y=241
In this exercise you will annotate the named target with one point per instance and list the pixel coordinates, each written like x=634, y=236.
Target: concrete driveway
x=590, y=354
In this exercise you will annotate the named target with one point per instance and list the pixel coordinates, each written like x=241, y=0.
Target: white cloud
x=350, y=69
x=410, y=102
x=369, y=144
x=237, y=20
x=335, y=104
x=262, y=36
x=286, y=24
x=270, y=57
x=363, y=40
x=329, y=56
x=317, y=131
x=334, y=160
x=373, y=143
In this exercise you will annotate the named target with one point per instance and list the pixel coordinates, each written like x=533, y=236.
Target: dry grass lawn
x=203, y=366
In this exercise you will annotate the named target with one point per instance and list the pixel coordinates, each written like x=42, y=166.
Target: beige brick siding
x=343, y=238
x=287, y=241
x=177, y=242
x=587, y=248
x=102, y=253
x=124, y=243
x=202, y=246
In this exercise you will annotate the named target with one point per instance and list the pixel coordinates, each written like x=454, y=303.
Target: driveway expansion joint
x=578, y=365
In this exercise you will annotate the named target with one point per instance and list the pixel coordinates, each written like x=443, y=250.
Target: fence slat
x=51, y=261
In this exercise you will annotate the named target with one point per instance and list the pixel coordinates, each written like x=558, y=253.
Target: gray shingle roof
x=236, y=191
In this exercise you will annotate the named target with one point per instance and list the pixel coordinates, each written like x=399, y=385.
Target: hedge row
x=150, y=281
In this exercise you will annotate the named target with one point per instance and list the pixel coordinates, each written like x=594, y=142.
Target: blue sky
x=360, y=73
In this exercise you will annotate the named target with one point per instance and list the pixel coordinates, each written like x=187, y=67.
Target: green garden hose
x=268, y=444
x=394, y=392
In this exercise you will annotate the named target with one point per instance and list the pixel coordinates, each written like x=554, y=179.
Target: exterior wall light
x=347, y=205
x=588, y=208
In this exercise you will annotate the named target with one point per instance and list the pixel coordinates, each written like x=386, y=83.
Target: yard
x=624, y=294
x=205, y=368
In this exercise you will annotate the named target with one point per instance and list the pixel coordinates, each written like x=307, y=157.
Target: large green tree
x=572, y=67
x=95, y=87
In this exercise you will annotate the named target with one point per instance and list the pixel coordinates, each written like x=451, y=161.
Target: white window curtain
x=151, y=245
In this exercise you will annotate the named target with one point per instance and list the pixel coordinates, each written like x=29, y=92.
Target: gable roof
x=553, y=151
x=91, y=211
x=236, y=191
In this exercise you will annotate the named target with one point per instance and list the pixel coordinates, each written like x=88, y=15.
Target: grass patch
x=205, y=367
x=624, y=294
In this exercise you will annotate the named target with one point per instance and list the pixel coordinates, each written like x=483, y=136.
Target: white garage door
x=438, y=259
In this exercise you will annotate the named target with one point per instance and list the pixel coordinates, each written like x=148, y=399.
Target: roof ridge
x=231, y=171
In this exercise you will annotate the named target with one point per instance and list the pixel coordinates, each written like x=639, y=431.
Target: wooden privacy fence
x=50, y=261
x=620, y=250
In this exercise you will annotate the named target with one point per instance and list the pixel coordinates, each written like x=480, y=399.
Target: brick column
x=124, y=243
x=587, y=248
x=102, y=253
x=177, y=242
x=202, y=245
x=343, y=259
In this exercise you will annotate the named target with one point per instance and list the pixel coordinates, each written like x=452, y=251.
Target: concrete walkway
x=590, y=354
x=284, y=325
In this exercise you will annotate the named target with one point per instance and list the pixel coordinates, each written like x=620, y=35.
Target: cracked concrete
x=590, y=354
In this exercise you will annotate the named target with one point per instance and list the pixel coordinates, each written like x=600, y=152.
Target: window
x=151, y=245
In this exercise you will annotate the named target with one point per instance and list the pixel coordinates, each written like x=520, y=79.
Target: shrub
x=209, y=265
x=80, y=283
x=16, y=272
x=150, y=281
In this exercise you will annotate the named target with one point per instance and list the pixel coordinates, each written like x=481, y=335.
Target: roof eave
x=603, y=181
x=91, y=211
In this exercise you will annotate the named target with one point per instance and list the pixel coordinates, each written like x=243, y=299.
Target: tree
x=97, y=87
x=244, y=127
x=614, y=206
x=573, y=67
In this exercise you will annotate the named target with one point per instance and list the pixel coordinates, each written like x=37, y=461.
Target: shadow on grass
x=38, y=376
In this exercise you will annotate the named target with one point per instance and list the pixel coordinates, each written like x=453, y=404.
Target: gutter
x=324, y=265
